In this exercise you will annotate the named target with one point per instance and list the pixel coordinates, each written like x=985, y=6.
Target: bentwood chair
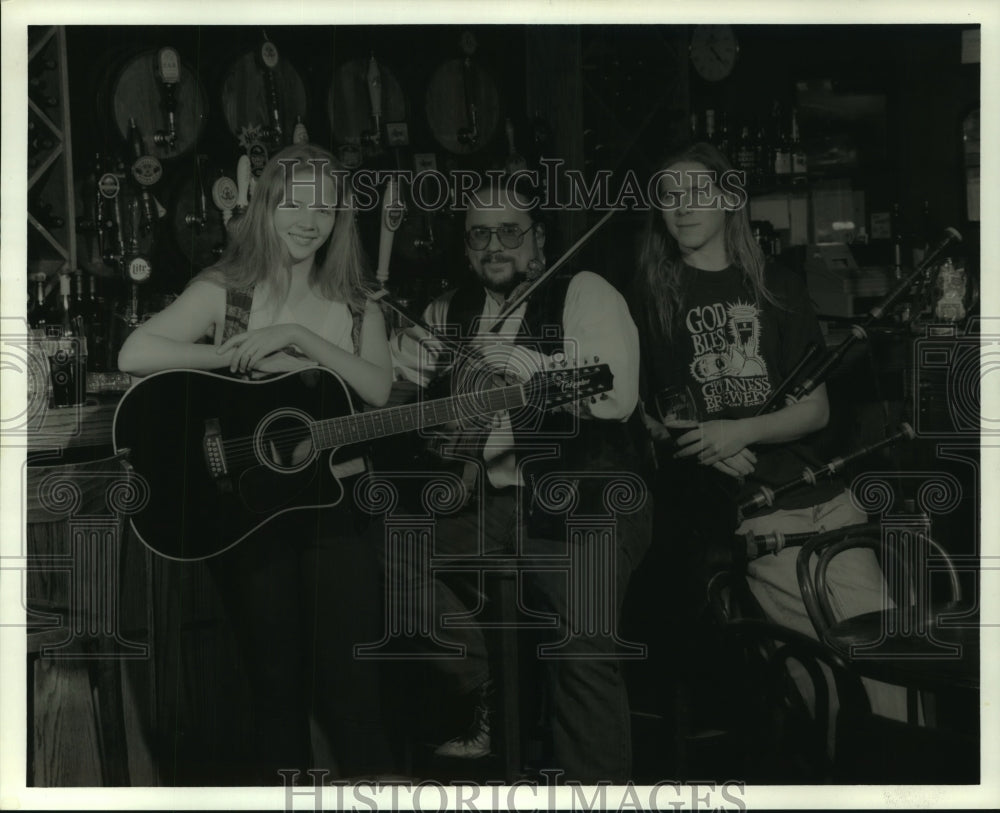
x=921, y=640
x=784, y=737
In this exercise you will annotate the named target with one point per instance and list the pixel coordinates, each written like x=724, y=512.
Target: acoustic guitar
x=223, y=456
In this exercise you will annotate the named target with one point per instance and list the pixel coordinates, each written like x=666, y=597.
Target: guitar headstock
x=564, y=385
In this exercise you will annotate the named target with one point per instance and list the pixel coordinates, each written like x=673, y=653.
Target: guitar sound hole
x=283, y=442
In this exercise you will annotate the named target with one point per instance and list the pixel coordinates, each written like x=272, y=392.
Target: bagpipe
x=813, y=369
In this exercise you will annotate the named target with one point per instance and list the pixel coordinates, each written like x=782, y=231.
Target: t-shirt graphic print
x=727, y=366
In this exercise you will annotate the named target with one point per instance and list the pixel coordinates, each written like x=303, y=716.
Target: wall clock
x=713, y=51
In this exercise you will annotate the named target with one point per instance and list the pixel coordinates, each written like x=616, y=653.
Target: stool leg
x=510, y=675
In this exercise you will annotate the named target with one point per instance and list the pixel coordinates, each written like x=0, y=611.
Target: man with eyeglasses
x=569, y=322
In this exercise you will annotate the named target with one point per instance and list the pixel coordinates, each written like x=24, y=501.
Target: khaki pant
x=853, y=578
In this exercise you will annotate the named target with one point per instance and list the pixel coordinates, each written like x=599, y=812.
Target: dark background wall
x=611, y=97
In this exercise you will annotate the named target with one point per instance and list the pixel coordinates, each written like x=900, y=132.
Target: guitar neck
x=380, y=423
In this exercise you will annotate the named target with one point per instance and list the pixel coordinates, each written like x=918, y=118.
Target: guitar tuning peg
x=596, y=360
x=593, y=399
x=604, y=396
x=562, y=363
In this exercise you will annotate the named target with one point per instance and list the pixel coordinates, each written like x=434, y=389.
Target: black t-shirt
x=733, y=352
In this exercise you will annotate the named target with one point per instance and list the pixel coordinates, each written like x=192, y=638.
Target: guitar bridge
x=215, y=456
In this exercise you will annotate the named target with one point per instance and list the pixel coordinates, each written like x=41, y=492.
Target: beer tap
x=169, y=74
x=426, y=243
x=110, y=233
x=374, y=81
x=146, y=171
x=300, y=135
x=199, y=218
x=515, y=161
x=225, y=194
x=392, y=217
x=469, y=135
x=269, y=62
x=102, y=223
x=242, y=184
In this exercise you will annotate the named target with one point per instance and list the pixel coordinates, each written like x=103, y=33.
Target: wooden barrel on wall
x=349, y=103
x=245, y=101
x=137, y=94
x=196, y=226
x=455, y=88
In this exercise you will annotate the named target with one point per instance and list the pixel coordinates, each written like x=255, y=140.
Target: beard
x=499, y=280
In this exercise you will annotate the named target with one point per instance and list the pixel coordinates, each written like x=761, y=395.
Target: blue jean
x=589, y=704
x=301, y=593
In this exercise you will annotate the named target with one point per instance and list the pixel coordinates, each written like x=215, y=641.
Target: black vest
x=595, y=445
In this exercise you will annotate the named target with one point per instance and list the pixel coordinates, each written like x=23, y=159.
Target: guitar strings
x=244, y=448
x=240, y=450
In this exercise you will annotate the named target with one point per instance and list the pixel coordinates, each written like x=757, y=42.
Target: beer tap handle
x=169, y=74
x=199, y=219
x=224, y=195
x=146, y=171
x=375, y=96
x=269, y=58
x=300, y=135
x=469, y=135
x=243, y=183
x=392, y=217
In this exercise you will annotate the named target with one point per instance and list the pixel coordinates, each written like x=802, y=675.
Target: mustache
x=497, y=257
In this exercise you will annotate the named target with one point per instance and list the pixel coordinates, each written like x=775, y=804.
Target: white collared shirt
x=597, y=328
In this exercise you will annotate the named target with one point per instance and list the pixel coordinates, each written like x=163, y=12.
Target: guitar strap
x=240, y=300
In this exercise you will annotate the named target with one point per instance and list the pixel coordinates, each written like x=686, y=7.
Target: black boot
x=475, y=743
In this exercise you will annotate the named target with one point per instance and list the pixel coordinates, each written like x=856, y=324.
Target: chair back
x=891, y=552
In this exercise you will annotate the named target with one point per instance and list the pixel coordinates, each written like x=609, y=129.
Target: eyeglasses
x=510, y=236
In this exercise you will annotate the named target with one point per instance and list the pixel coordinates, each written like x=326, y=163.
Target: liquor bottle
x=79, y=303
x=800, y=166
x=923, y=238
x=782, y=150
x=68, y=312
x=764, y=161
x=722, y=135
x=42, y=314
x=746, y=155
x=95, y=316
x=710, y=126
x=897, y=243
